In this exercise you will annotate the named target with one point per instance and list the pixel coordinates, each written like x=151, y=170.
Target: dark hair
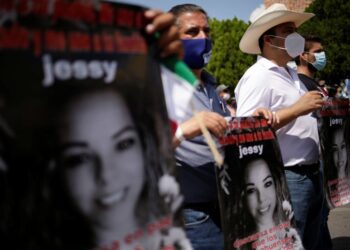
x=64, y=226
x=178, y=10
x=330, y=169
x=247, y=222
x=309, y=40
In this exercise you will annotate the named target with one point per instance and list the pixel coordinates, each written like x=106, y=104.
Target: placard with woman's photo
x=334, y=131
x=256, y=211
x=85, y=142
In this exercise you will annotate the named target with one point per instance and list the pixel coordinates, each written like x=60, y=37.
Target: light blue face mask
x=320, y=60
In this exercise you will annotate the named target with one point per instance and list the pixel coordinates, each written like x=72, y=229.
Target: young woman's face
x=101, y=158
x=260, y=192
x=339, y=152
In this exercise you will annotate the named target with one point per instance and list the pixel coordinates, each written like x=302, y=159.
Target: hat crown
x=273, y=8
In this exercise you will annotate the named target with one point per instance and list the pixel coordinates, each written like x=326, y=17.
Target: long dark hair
x=247, y=222
x=65, y=227
x=329, y=167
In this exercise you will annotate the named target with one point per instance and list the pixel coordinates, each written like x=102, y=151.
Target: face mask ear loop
x=306, y=52
x=307, y=60
x=272, y=45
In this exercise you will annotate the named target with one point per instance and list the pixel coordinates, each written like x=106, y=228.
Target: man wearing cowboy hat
x=270, y=83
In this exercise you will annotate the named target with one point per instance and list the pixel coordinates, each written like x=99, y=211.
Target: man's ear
x=304, y=56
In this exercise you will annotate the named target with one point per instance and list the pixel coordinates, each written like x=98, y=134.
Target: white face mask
x=293, y=44
x=226, y=96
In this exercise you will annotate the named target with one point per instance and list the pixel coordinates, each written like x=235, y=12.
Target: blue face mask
x=320, y=60
x=197, y=52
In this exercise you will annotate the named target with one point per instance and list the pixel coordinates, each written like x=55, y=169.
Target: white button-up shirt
x=267, y=85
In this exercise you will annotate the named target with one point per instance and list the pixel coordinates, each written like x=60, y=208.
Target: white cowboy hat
x=272, y=16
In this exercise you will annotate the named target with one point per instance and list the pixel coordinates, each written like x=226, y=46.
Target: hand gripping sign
x=84, y=125
x=255, y=205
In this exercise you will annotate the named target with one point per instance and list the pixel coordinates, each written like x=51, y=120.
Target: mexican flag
x=178, y=86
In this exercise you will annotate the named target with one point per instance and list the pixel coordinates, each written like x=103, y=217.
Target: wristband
x=179, y=134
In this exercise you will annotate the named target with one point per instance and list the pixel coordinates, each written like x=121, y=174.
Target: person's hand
x=271, y=116
x=214, y=122
x=169, y=42
x=309, y=102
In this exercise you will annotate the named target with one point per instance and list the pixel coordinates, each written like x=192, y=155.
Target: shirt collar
x=266, y=62
x=269, y=64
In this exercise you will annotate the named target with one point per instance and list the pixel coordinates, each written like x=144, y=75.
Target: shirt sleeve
x=251, y=93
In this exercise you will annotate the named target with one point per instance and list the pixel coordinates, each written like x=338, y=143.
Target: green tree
x=332, y=24
x=227, y=62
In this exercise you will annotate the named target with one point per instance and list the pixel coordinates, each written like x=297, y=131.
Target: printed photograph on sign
x=86, y=160
x=334, y=130
x=254, y=197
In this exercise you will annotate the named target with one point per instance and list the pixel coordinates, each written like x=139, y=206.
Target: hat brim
x=250, y=40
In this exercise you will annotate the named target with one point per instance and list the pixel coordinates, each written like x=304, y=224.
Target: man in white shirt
x=270, y=83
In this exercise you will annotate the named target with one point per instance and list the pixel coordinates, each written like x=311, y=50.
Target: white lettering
x=64, y=70
x=48, y=75
x=95, y=69
x=110, y=69
x=335, y=121
x=257, y=149
x=80, y=70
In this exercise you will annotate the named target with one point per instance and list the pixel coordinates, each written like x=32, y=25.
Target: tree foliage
x=227, y=62
x=332, y=24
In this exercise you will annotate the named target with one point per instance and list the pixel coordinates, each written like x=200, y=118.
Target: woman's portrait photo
x=340, y=152
x=335, y=147
x=265, y=207
x=106, y=171
x=257, y=212
x=101, y=161
x=260, y=195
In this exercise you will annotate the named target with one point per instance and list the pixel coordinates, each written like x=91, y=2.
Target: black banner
x=86, y=159
x=254, y=198
x=334, y=130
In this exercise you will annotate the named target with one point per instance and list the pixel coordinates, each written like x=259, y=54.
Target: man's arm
x=309, y=102
x=253, y=94
x=214, y=122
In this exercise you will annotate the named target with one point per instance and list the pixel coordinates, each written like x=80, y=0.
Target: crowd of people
x=104, y=206
x=288, y=98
